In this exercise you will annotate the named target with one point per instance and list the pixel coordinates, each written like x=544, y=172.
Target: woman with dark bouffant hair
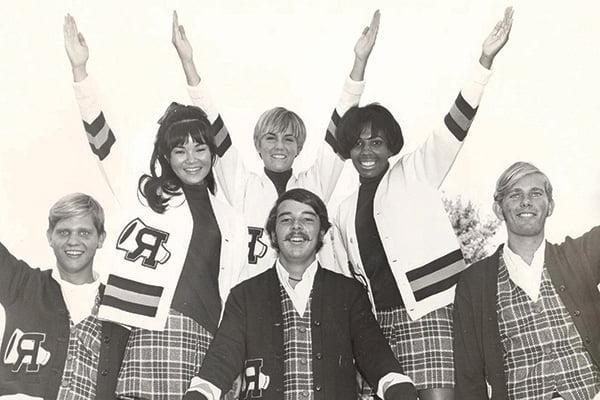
x=176, y=252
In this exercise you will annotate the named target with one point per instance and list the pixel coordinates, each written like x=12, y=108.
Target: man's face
x=75, y=241
x=370, y=154
x=298, y=232
x=278, y=150
x=525, y=207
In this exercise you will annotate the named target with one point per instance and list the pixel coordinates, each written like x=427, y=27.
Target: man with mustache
x=527, y=318
x=297, y=330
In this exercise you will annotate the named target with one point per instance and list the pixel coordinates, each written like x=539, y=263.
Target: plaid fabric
x=81, y=365
x=161, y=364
x=543, y=352
x=423, y=347
x=297, y=339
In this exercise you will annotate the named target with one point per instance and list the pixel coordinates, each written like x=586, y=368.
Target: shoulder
x=476, y=273
x=340, y=282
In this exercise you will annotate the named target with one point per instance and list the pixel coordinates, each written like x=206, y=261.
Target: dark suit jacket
x=343, y=330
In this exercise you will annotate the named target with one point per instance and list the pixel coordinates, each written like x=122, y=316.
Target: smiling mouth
x=526, y=214
x=74, y=253
x=367, y=164
x=298, y=239
x=192, y=170
x=279, y=156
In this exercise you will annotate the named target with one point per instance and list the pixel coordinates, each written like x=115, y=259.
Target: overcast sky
x=541, y=104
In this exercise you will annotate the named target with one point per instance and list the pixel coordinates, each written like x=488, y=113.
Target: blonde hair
x=515, y=172
x=76, y=205
x=277, y=120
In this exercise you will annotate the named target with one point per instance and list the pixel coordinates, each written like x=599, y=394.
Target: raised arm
x=229, y=168
x=99, y=134
x=325, y=172
x=432, y=161
x=14, y=274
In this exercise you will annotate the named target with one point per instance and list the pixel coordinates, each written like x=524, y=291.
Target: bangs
x=282, y=122
x=178, y=133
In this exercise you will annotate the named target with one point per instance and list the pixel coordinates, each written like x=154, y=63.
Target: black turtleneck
x=372, y=253
x=197, y=293
x=279, y=179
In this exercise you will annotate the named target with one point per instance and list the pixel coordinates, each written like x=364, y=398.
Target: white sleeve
x=392, y=378
x=210, y=391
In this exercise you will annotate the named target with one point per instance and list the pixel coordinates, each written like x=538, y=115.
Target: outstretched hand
x=497, y=38
x=76, y=47
x=367, y=39
x=180, y=41
x=363, y=47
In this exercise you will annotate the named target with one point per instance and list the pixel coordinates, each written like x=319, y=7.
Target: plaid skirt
x=423, y=347
x=161, y=364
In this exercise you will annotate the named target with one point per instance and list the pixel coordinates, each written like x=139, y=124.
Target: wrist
x=486, y=60
x=358, y=69
x=191, y=74
x=79, y=73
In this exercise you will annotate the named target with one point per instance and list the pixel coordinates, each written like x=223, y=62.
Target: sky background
x=541, y=104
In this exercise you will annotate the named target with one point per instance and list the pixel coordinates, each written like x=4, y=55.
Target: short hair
x=76, y=205
x=373, y=116
x=177, y=124
x=512, y=175
x=305, y=197
x=277, y=120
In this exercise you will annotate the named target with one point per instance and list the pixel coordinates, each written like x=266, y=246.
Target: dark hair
x=305, y=197
x=177, y=124
x=373, y=116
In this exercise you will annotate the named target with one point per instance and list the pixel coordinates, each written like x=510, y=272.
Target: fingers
x=81, y=39
x=374, y=27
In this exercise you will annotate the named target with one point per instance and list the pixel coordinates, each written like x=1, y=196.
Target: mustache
x=302, y=235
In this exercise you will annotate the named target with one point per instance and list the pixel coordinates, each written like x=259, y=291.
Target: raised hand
x=367, y=39
x=363, y=47
x=76, y=47
x=184, y=51
x=496, y=39
x=180, y=41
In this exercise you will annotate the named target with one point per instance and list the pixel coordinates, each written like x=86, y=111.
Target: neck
x=525, y=246
x=78, y=278
x=296, y=268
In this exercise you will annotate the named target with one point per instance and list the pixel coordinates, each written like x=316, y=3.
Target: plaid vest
x=81, y=366
x=543, y=351
x=297, y=339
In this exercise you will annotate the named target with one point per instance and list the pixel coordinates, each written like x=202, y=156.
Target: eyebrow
x=285, y=213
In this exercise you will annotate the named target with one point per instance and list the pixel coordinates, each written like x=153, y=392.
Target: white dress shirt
x=527, y=277
x=79, y=299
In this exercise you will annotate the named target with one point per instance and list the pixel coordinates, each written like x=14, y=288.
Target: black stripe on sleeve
x=133, y=286
x=134, y=308
x=435, y=265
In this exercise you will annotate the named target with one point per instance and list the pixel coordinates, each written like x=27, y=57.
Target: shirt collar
x=527, y=277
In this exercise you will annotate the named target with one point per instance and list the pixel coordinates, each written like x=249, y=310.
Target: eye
x=290, y=139
x=178, y=151
x=358, y=143
x=63, y=232
x=537, y=193
x=514, y=195
x=84, y=233
x=285, y=220
x=308, y=220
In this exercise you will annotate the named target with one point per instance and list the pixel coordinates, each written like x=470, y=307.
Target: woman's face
x=191, y=162
x=370, y=154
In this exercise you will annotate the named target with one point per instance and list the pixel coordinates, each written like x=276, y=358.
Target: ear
x=49, y=236
x=101, y=240
x=498, y=211
x=550, y=207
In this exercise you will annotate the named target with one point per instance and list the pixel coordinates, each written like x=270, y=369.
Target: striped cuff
x=330, y=136
x=100, y=136
x=459, y=119
x=131, y=296
x=436, y=276
x=221, y=135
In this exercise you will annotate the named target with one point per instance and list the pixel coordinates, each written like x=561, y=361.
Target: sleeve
x=371, y=350
x=590, y=246
x=469, y=371
x=328, y=165
x=98, y=132
x=225, y=357
x=340, y=251
x=229, y=168
x=432, y=161
x=13, y=276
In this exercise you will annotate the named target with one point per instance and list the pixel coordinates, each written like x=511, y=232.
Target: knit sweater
x=574, y=268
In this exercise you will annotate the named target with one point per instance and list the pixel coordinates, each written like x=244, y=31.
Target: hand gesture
x=180, y=41
x=367, y=39
x=77, y=49
x=497, y=39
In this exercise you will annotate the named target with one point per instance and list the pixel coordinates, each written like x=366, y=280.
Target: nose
x=279, y=144
x=72, y=240
x=189, y=156
x=296, y=225
x=525, y=201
